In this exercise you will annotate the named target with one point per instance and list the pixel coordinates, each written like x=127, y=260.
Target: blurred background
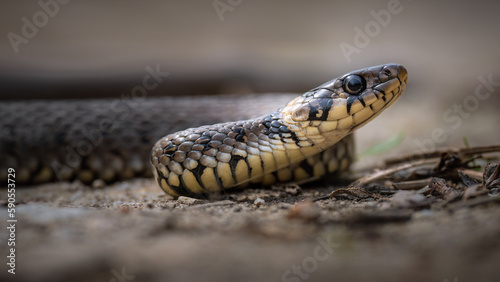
x=86, y=49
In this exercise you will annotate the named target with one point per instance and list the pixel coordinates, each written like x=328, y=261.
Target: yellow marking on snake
x=241, y=172
x=300, y=174
x=255, y=164
x=362, y=115
x=328, y=126
x=224, y=173
x=173, y=179
x=281, y=158
x=191, y=182
x=339, y=112
x=268, y=161
x=284, y=174
x=369, y=98
x=268, y=179
x=166, y=188
x=377, y=105
x=209, y=180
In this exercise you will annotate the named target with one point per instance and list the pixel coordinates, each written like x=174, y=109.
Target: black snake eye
x=354, y=84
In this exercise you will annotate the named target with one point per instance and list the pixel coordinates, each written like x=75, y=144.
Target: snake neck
x=296, y=141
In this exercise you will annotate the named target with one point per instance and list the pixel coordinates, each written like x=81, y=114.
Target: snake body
x=107, y=139
x=280, y=146
x=111, y=139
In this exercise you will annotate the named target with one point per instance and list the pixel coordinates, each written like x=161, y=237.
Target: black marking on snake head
x=362, y=101
x=351, y=101
x=319, y=108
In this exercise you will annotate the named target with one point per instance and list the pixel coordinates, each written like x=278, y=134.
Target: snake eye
x=354, y=84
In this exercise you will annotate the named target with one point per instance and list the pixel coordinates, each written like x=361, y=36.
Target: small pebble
x=293, y=190
x=188, y=201
x=259, y=202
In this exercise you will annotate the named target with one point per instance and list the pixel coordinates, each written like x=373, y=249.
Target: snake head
x=346, y=103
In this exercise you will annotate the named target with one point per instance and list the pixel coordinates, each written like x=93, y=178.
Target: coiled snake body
x=282, y=145
x=110, y=139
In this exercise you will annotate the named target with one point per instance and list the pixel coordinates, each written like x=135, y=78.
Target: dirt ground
x=132, y=231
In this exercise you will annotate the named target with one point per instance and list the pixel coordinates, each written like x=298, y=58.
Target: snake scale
x=111, y=139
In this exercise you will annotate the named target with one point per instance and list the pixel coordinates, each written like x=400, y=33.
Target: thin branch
x=437, y=153
x=386, y=172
